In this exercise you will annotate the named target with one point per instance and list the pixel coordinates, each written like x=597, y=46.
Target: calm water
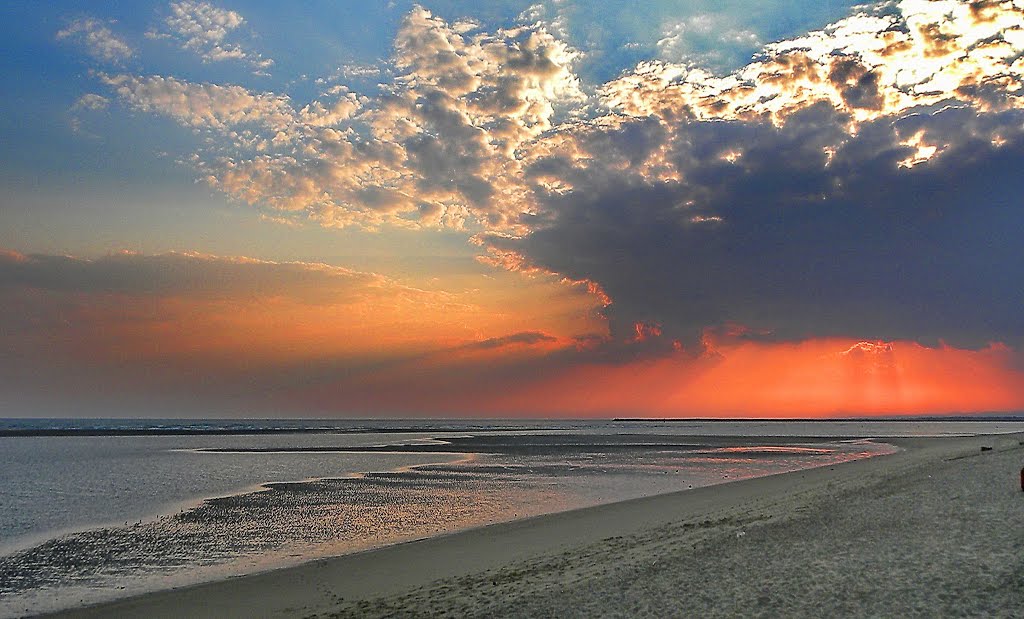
x=85, y=518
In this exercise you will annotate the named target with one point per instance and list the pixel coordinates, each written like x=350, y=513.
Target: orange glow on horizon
x=814, y=378
x=263, y=331
x=371, y=346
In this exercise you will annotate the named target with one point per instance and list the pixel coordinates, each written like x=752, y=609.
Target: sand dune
x=935, y=530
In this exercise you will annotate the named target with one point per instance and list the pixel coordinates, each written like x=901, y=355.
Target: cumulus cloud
x=854, y=181
x=92, y=102
x=708, y=40
x=224, y=108
x=858, y=180
x=875, y=63
x=439, y=147
x=204, y=29
x=97, y=38
x=477, y=128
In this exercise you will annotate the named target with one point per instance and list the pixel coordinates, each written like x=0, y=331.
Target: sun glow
x=815, y=378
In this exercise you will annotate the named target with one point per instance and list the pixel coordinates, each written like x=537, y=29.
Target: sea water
x=91, y=510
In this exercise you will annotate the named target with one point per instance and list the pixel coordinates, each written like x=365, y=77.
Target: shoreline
x=168, y=509
x=326, y=585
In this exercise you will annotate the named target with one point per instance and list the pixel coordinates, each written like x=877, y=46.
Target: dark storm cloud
x=798, y=241
x=856, y=83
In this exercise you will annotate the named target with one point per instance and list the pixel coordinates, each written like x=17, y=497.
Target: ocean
x=92, y=510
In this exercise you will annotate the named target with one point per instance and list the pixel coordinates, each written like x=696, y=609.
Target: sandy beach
x=934, y=530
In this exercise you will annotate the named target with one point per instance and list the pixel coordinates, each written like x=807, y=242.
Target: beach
x=935, y=529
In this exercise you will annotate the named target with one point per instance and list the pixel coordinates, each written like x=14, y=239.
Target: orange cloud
x=180, y=324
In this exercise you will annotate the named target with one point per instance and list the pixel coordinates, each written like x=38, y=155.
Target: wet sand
x=935, y=530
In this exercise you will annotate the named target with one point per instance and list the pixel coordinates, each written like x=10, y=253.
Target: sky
x=571, y=208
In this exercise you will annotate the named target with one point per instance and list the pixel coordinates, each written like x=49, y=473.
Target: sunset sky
x=577, y=208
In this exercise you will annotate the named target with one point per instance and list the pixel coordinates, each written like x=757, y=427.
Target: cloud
x=179, y=325
x=876, y=63
x=191, y=275
x=204, y=28
x=852, y=181
x=86, y=103
x=92, y=102
x=438, y=147
x=476, y=128
x=527, y=338
x=809, y=232
x=708, y=40
x=254, y=334
x=97, y=38
x=223, y=108
x=855, y=181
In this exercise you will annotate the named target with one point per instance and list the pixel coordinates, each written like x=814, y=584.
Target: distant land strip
x=901, y=418
x=231, y=431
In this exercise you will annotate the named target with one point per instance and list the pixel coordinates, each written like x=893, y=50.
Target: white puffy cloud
x=484, y=129
x=441, y=146
x=91, y=101
x=97, y=38
x=878, y=62
x=202, y=105
x=703, y=39
x=204, y=28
